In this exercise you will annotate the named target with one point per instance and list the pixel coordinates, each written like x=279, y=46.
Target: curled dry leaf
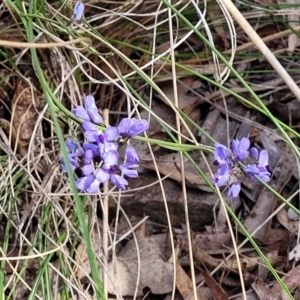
x=24, y=114
x=123, y=273
x=155, y=273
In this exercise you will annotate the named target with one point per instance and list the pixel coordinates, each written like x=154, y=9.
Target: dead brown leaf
x=291, y=280
x=263, y=291
x=184, y=284
x=169, y=164
x=155, y=273
x=231, y=264
x=24, y=114
x=216, y=290
x=291, y=226
x=187, y=102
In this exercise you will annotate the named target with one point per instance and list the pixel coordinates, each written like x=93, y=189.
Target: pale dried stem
x=262, y=47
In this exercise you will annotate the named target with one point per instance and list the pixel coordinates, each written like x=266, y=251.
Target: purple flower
x=81, y=113
x=234, y=190
x=109, y=168
x=111, y=160
x=131, y=154
x=88, y=170
x=132, y=127
x=78, y=11
x=88, y=184
x=128, y=169
x=92, y=110
x=90, y=114
x=240, y=149
x=105, y=146
x=88, y=156
x=76, y=152
x=263, y=159
x=137, y=127
x=222, y=176
x=74, y=147
x=119, y=181
x=254, y=153
x=111, y=133
x=230, y=164
x=221, y=155
x=90, y=131
x=253, y=170
x=94, y=148
x=98, y=159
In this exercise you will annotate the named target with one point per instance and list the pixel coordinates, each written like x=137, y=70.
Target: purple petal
x=226, y=151
x=95, y=116
x=263, y=159
x=244, y=144
x=94, y=187
x=119, y=181
x=106, y=146
x=90, y=131
x=131, y=155
x=87, y=170
x=138, y=126
x=220, y=156
x=91, y=135
x=88, y=156
x=124, y=126
x=87, y=125
x=84, y=182
x=71, y=145
x=92, y=147
x=78, y=11
x=234, y=190
x=92, y=110
x=129, y=172
x=129, y=165
x=251, y=169
x=73, y=162
x=235, y=145
x=254, y=153
x=264, y=176
x=240, y=148
x=90, y=102
x=111, y=133
x=222, y=176
x=102, y=176
x=81, y=113
x=111, y=158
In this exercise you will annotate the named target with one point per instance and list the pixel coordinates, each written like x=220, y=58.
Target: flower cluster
x=98, y=160
x=230, y=168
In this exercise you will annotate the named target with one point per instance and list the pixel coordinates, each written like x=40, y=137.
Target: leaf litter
x=211, y=239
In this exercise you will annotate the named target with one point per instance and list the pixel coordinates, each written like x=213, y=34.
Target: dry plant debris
x=43, y=196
